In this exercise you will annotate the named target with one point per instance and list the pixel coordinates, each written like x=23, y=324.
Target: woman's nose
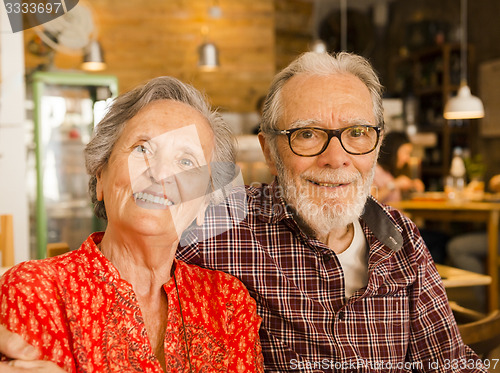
x=161, y=170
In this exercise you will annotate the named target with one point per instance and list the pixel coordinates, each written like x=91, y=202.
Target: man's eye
x=307, y=134
x=356, y=132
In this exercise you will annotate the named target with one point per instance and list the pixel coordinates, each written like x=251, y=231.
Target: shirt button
x=341, y=315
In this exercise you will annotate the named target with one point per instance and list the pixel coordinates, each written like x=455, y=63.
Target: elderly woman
x=121, y=302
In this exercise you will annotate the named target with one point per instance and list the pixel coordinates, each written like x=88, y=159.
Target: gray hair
x=126, y=106
x=320, y=64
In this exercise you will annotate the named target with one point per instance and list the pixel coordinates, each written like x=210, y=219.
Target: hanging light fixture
x=208, y=54
x=464, y=105
x=93, y=58
x=317, y=45
x=343, y=25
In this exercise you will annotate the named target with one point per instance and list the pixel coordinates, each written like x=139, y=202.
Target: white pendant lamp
x=464, y=105
x=318, y=46
x=208, y=57
x=208, y=53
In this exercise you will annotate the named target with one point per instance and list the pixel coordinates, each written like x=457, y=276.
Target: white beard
x=330, y=210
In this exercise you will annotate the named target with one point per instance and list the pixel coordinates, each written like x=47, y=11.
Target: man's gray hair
x=324, y=64
x=126, y=106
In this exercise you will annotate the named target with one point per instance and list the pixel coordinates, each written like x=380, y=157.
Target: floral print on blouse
x=83, y=316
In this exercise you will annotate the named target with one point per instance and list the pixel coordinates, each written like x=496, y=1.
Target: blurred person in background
x=390, y=181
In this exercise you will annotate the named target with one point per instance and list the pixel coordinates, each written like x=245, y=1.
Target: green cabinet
x=67, y=105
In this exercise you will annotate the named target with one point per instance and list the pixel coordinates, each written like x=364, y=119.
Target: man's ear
x=267, y=154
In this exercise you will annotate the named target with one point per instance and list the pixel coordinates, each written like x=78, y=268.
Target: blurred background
x=230, y=50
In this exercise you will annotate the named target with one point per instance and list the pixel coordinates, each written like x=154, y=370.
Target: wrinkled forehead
x=326, y=98
x=184, y=138
x=169, y=121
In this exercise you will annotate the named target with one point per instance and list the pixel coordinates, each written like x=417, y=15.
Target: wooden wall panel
x=147, y=38
x=294, y=32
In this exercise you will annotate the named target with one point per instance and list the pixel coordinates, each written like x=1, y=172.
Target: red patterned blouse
x=82, y=315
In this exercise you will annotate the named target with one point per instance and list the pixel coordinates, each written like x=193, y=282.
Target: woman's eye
x=141, y=149
x=186, y=162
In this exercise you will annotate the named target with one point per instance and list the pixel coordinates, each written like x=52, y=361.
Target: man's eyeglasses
x=312, y=141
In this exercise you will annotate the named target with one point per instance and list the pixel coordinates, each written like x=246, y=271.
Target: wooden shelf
x=431, y=76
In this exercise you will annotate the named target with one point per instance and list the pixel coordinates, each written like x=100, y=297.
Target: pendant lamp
x=208, y=53
x=343, y=25
x=93, y=58
x=317, y=45
x=464, y=105
x=208, y=56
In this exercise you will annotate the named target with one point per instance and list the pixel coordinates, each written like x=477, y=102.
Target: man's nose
x=334, y=155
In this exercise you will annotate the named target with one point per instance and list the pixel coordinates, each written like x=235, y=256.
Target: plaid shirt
x=400, y=322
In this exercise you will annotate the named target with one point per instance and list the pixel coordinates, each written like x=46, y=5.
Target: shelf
x=435, y=51
x=423, y=91
x=431, y=75
x=435, y=90
x=431, y=169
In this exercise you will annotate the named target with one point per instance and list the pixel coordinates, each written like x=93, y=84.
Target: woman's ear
x=98, y=188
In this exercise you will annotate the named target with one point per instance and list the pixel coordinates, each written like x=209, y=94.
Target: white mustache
x=326, y=176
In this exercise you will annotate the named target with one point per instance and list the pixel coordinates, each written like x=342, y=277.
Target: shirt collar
x=273, y=209
x=382, y=225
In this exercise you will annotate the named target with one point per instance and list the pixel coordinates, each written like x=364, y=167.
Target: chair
x=481, y=332
x=57, y=248
x=7, y=240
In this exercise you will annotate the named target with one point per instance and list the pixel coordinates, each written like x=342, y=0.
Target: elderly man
x=342, y=283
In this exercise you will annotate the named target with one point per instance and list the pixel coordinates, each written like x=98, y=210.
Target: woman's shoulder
x=53, y=269
x=34, y=271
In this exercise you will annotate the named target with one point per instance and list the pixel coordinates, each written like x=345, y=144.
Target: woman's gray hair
x=324, y=64
x=126, y=106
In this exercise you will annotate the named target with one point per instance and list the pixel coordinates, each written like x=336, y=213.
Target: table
x=456, y=278
x=485, y=212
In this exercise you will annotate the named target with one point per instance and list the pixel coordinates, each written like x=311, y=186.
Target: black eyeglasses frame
x=331, y=133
